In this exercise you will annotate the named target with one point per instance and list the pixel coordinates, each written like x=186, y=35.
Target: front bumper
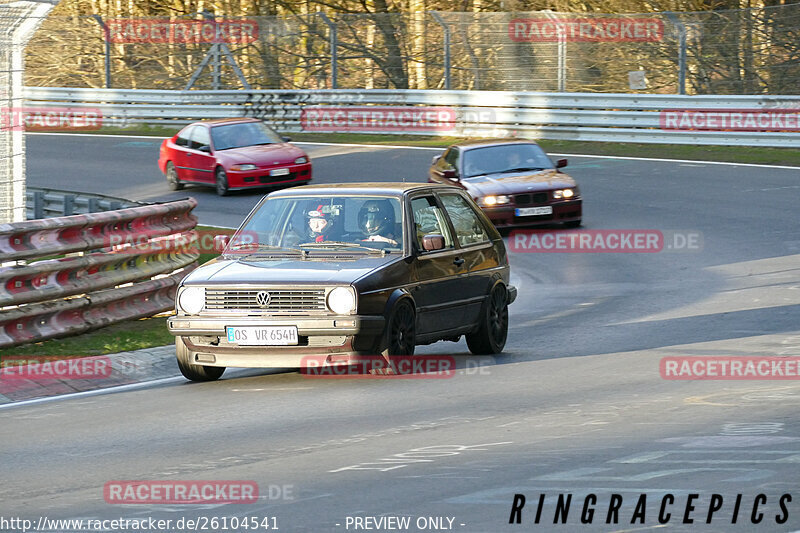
x=261, y=177
x=205, y=337
x=504, y=217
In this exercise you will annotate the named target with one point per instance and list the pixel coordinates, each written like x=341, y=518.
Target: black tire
x=221, y=181
x=401, y=330
x=173, y=181
x=572, y=223
x=192, y=371
x=490, y=337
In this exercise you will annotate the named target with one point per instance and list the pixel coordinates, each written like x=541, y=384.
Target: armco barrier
x=129, y=266
x=46, y=203
x=707, y=120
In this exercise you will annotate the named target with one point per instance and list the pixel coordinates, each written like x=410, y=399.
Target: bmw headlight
x=191, y=300
x=301, y=160
x=342, y=301
x=245, y=166
x=490, y=201
x=563, y=193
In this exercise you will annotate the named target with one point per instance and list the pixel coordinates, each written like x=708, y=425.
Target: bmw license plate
x=279, y=172
x=531, y=211
x=262, y=335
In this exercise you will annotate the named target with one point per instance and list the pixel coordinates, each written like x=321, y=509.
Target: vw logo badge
x=263, y=298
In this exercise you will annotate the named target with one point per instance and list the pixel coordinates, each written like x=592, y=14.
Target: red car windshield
x=243, y=134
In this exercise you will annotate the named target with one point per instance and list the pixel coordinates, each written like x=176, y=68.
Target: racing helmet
x=320, y=221
x=376, y=217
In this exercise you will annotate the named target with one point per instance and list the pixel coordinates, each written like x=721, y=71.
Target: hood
x=518, y=182
x=263, y=154
x=288, y=270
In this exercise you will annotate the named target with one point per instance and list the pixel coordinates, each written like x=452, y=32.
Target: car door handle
x=458, y=261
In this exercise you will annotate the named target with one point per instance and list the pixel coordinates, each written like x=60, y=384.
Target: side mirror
x=286, y=139
x=221, y=242
x=206, y=149
x=436, y=158
x=432, y=242
x=561, y=163
x=450, y=174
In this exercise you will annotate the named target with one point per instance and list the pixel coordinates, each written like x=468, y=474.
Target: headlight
x=246, y=166
x=494, y=200
x=301, y=160
x=191, y=300
x=563, y=193
x=341, y=301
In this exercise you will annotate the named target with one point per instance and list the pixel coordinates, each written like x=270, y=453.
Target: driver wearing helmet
x=376, y=220
x=320, y=224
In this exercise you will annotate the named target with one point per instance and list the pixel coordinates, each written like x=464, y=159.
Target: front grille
x=521, y=200
x=288, y=301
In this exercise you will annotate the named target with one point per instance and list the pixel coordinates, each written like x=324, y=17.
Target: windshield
x=317, y=223
x=243, y=134
x=504, y=158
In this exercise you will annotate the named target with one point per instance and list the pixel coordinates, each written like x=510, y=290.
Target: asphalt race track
x=575, y=406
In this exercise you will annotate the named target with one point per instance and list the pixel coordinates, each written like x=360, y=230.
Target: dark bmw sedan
x=344, y=271
x=513, y=181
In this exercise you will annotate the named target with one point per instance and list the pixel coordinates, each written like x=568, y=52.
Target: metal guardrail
x=565, y=116
x=109, y=266
x=47, y=203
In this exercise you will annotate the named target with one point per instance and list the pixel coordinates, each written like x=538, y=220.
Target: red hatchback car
x=230, y=154
x=513, y=181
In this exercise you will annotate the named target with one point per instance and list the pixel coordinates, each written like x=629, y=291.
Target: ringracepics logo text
x=604, y=241
x=644, y=509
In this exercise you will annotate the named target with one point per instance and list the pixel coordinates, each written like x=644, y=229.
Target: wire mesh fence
x=749, y=51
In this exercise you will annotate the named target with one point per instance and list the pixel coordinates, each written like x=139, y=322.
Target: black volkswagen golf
x=343, y=271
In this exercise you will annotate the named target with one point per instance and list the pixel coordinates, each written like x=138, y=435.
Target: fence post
x=333, y=40
x=438, y=18
x=106, y=36
x=561, y=32
x=681, y=27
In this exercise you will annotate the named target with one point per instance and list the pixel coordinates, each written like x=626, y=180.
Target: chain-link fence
x=18, y=21
x=752, y=51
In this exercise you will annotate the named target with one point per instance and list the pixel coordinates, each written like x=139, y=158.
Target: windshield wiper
x=337, y=244
x=256, y=248
x=522, y=169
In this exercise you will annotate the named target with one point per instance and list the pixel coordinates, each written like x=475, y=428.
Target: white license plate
x=279, y=172
x=530, y=211
x=262, y=335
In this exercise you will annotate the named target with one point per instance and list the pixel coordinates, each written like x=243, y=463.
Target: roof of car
x=235, y=120
x=393, y=188
x=475, y=143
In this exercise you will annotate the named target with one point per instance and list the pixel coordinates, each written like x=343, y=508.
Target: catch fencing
x=648, y=118
x=66, y=275
x=739, y=51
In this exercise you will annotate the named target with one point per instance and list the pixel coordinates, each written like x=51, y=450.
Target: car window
x=451, y=158
x=428, y=219
x=469, y=229
x=328, y=221
x=505, y=158
x=243, y=134
x=183, y=136
x=199, y=137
